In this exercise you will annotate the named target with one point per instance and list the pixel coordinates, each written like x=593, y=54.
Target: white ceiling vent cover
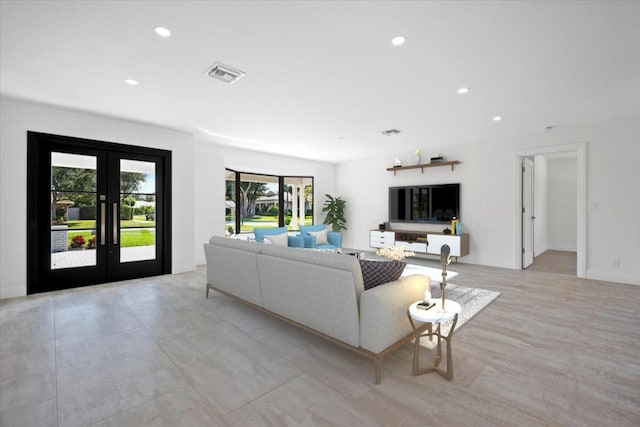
x=224, y=73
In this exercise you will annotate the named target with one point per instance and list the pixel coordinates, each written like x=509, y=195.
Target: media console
x=426, y=242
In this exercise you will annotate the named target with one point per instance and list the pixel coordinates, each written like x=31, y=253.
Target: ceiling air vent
x=224, y=73
x=391, y=132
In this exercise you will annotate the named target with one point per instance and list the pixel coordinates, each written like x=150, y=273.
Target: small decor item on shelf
x=416, y=154
x=446, y=231
x=459, y=228
x=454, y=221
x=395, y=252
x=397, y=163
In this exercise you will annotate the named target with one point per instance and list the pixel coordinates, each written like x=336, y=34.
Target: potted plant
x=77, y=242
x=334, y=207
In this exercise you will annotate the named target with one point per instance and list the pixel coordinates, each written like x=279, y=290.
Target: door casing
x=39, y=274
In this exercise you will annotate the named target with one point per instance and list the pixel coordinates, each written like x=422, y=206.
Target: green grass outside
x=138, y=238
x=129, y=238
x=248, y=228
x=137, y=221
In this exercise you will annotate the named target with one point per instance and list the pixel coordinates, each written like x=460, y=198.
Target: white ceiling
x=323, y=79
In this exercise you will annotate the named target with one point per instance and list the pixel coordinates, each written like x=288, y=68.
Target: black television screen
x=424, y=203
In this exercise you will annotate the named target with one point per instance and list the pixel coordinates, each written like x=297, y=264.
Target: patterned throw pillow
x=376, y=273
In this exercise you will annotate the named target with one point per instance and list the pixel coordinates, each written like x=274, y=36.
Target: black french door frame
x=41, y=277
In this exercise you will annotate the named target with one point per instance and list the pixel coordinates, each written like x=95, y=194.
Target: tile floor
x=552, y=350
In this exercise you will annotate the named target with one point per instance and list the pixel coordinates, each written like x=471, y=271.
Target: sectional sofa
x=320, y=292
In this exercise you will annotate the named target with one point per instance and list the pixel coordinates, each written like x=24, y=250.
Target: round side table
x=434, y=316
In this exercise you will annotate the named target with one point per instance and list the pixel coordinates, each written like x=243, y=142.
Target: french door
x=97, y=212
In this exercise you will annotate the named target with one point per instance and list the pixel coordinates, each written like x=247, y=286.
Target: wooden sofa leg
x=207, y=293
x=378, y=362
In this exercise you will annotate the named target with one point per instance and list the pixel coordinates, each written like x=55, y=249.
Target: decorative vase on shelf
x=417, y=157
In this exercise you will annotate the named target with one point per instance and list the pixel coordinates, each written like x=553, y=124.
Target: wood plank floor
x=552, y=350
x=551, y=261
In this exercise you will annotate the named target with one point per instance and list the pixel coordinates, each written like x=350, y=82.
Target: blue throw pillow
x=375, y=273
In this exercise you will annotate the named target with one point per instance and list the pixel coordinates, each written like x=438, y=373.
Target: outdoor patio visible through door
x=97, y=212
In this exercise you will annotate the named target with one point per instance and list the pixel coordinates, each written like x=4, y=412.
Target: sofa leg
x=378, y=362
x=207, y=291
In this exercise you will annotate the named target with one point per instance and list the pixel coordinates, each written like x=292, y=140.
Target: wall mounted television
x=424, y=203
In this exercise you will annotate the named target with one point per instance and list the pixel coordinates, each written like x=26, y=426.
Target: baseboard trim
x=610, y=276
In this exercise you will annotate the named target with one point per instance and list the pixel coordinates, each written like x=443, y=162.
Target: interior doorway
x=97, y=212
x=535, y=222
x=528, y=217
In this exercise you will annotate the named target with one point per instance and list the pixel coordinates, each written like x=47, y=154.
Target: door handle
x=114, y=219
x=103, y=224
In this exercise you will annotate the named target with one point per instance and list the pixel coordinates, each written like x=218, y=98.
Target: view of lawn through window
x=257, y=200
x=74, y=212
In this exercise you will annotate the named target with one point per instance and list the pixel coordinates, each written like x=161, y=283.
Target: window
x=258, y=200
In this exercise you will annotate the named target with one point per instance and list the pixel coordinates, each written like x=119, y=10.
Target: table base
x=448, y=374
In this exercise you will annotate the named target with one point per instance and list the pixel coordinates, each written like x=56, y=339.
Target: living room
x=596, y=119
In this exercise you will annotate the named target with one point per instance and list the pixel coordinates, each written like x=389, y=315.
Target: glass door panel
x=73, y=210
x=259, y=201
x=137, y=210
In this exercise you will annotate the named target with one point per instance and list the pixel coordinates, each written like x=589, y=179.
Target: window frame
x=281, y=201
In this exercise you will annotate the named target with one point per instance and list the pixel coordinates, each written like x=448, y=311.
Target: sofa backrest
x=232, y=267
x=319, y=290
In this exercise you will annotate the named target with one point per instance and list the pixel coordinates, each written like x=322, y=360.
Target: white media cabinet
x=426, y=242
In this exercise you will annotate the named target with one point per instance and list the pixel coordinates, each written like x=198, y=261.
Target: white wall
x=20, y=116
x=210, y=163
x=490, y=197
x=541, y=223
x=562, y=203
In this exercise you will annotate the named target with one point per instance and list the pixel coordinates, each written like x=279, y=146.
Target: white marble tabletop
x=434, y=273
x=435, y=314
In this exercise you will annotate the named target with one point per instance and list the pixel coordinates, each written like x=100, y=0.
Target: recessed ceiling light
x=398, y=40
x=162, y=31
x=463, y=90
x=131, y=82
x=391, y=132
x=497, y=118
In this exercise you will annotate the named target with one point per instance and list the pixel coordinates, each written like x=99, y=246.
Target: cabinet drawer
x=381, y=239
x=414, y=247
x=384, y=244
x=437, y=240
x=375, y=234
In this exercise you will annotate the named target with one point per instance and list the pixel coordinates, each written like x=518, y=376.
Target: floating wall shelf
x=425, y=165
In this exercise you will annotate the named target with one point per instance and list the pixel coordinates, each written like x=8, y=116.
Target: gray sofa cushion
x=313, y=288
x=383, y=311
x=232, y=267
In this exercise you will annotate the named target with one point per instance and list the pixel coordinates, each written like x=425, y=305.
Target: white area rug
x=472, y=300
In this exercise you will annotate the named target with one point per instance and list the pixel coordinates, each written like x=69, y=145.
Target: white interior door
x=527, y=213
